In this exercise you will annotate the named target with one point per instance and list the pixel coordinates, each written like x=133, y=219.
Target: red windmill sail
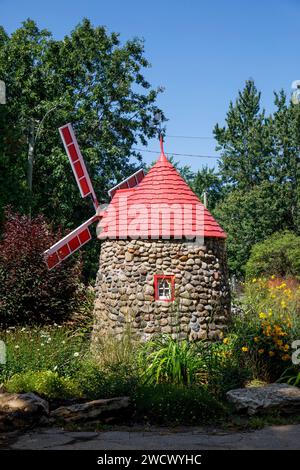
x=81, y=235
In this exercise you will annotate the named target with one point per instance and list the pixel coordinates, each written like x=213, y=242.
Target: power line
x=178, y=154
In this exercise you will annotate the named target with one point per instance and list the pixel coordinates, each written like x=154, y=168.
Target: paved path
x=273, y=437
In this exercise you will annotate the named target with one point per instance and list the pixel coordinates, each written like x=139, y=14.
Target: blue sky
x=201, y=52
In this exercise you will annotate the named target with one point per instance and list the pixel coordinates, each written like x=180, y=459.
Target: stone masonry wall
x=125, y=289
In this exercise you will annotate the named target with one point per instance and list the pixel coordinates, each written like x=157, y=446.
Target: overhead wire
x=177, y=154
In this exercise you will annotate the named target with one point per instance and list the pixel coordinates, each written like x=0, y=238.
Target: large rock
x=21, y=410
x=106, y=409
x=275, y=397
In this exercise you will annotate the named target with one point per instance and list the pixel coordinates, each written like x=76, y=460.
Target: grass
x=57, y=349
x=57, y=364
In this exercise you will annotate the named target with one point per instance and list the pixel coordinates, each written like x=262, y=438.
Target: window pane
x=164, y=288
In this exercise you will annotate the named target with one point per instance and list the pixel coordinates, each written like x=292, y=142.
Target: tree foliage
x=277, y=255
x=245, y=141
x=208, y=180
x=260, y=172
x=248, y=217
x=29, y=293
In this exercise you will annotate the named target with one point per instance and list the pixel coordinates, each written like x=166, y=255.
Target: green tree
x=260, y=169
x=91, y=80
x=207, y=179
x=285, y=131
x=277, y=255
x=245, y=141
x=249, y=217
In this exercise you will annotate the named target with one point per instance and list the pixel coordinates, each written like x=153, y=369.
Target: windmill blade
x=129, y=182
x=77, y=163
x=69, y=244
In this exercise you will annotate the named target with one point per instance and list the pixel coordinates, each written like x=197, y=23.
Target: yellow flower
x=271, y=353
x=273, y=276
x=254, y=280
x=262, y=315
x=270, y=313
x=256, y=339
x=244, y=349
x=226, y=340
x=261, y=351
x=283, y=304
x=285, y=357
x=286, y=347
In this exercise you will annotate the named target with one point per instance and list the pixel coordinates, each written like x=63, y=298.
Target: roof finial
x=162, y=153
x=161, y=140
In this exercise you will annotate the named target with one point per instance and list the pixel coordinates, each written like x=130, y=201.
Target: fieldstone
x=208, y=307
x=104, y=409
x=128, y=257
x=257, y=400
x=20, y=410
x=186, y=302
x=166, y=329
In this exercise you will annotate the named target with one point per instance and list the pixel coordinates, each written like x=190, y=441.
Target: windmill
x=81, y=235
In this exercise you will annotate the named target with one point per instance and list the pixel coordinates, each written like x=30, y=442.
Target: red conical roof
x=130, y=212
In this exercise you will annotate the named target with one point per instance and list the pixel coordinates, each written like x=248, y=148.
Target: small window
x=164, y=287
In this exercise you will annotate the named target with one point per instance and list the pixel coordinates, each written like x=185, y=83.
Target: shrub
x=278, y=255
x=165, y=360
x=174, y=404
x=270, y=324
x=45, y=383
x=29, y=293
x=223, y=367
x=97, y=382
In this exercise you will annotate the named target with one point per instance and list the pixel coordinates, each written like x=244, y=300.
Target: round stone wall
x=125, y=289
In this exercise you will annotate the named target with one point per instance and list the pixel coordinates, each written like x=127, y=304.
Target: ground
x=285, y=437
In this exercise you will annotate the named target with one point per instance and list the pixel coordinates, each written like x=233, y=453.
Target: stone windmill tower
x=163, y=266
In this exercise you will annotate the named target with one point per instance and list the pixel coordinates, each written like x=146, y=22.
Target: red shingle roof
x=161, y=206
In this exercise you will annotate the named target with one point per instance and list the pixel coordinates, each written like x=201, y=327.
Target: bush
x=176, y=404
x=271, y=322
x=96, y=382
x=223, y=367
x=278, y=255
x=213, y=365
x=29, y=293
x=46, y=383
